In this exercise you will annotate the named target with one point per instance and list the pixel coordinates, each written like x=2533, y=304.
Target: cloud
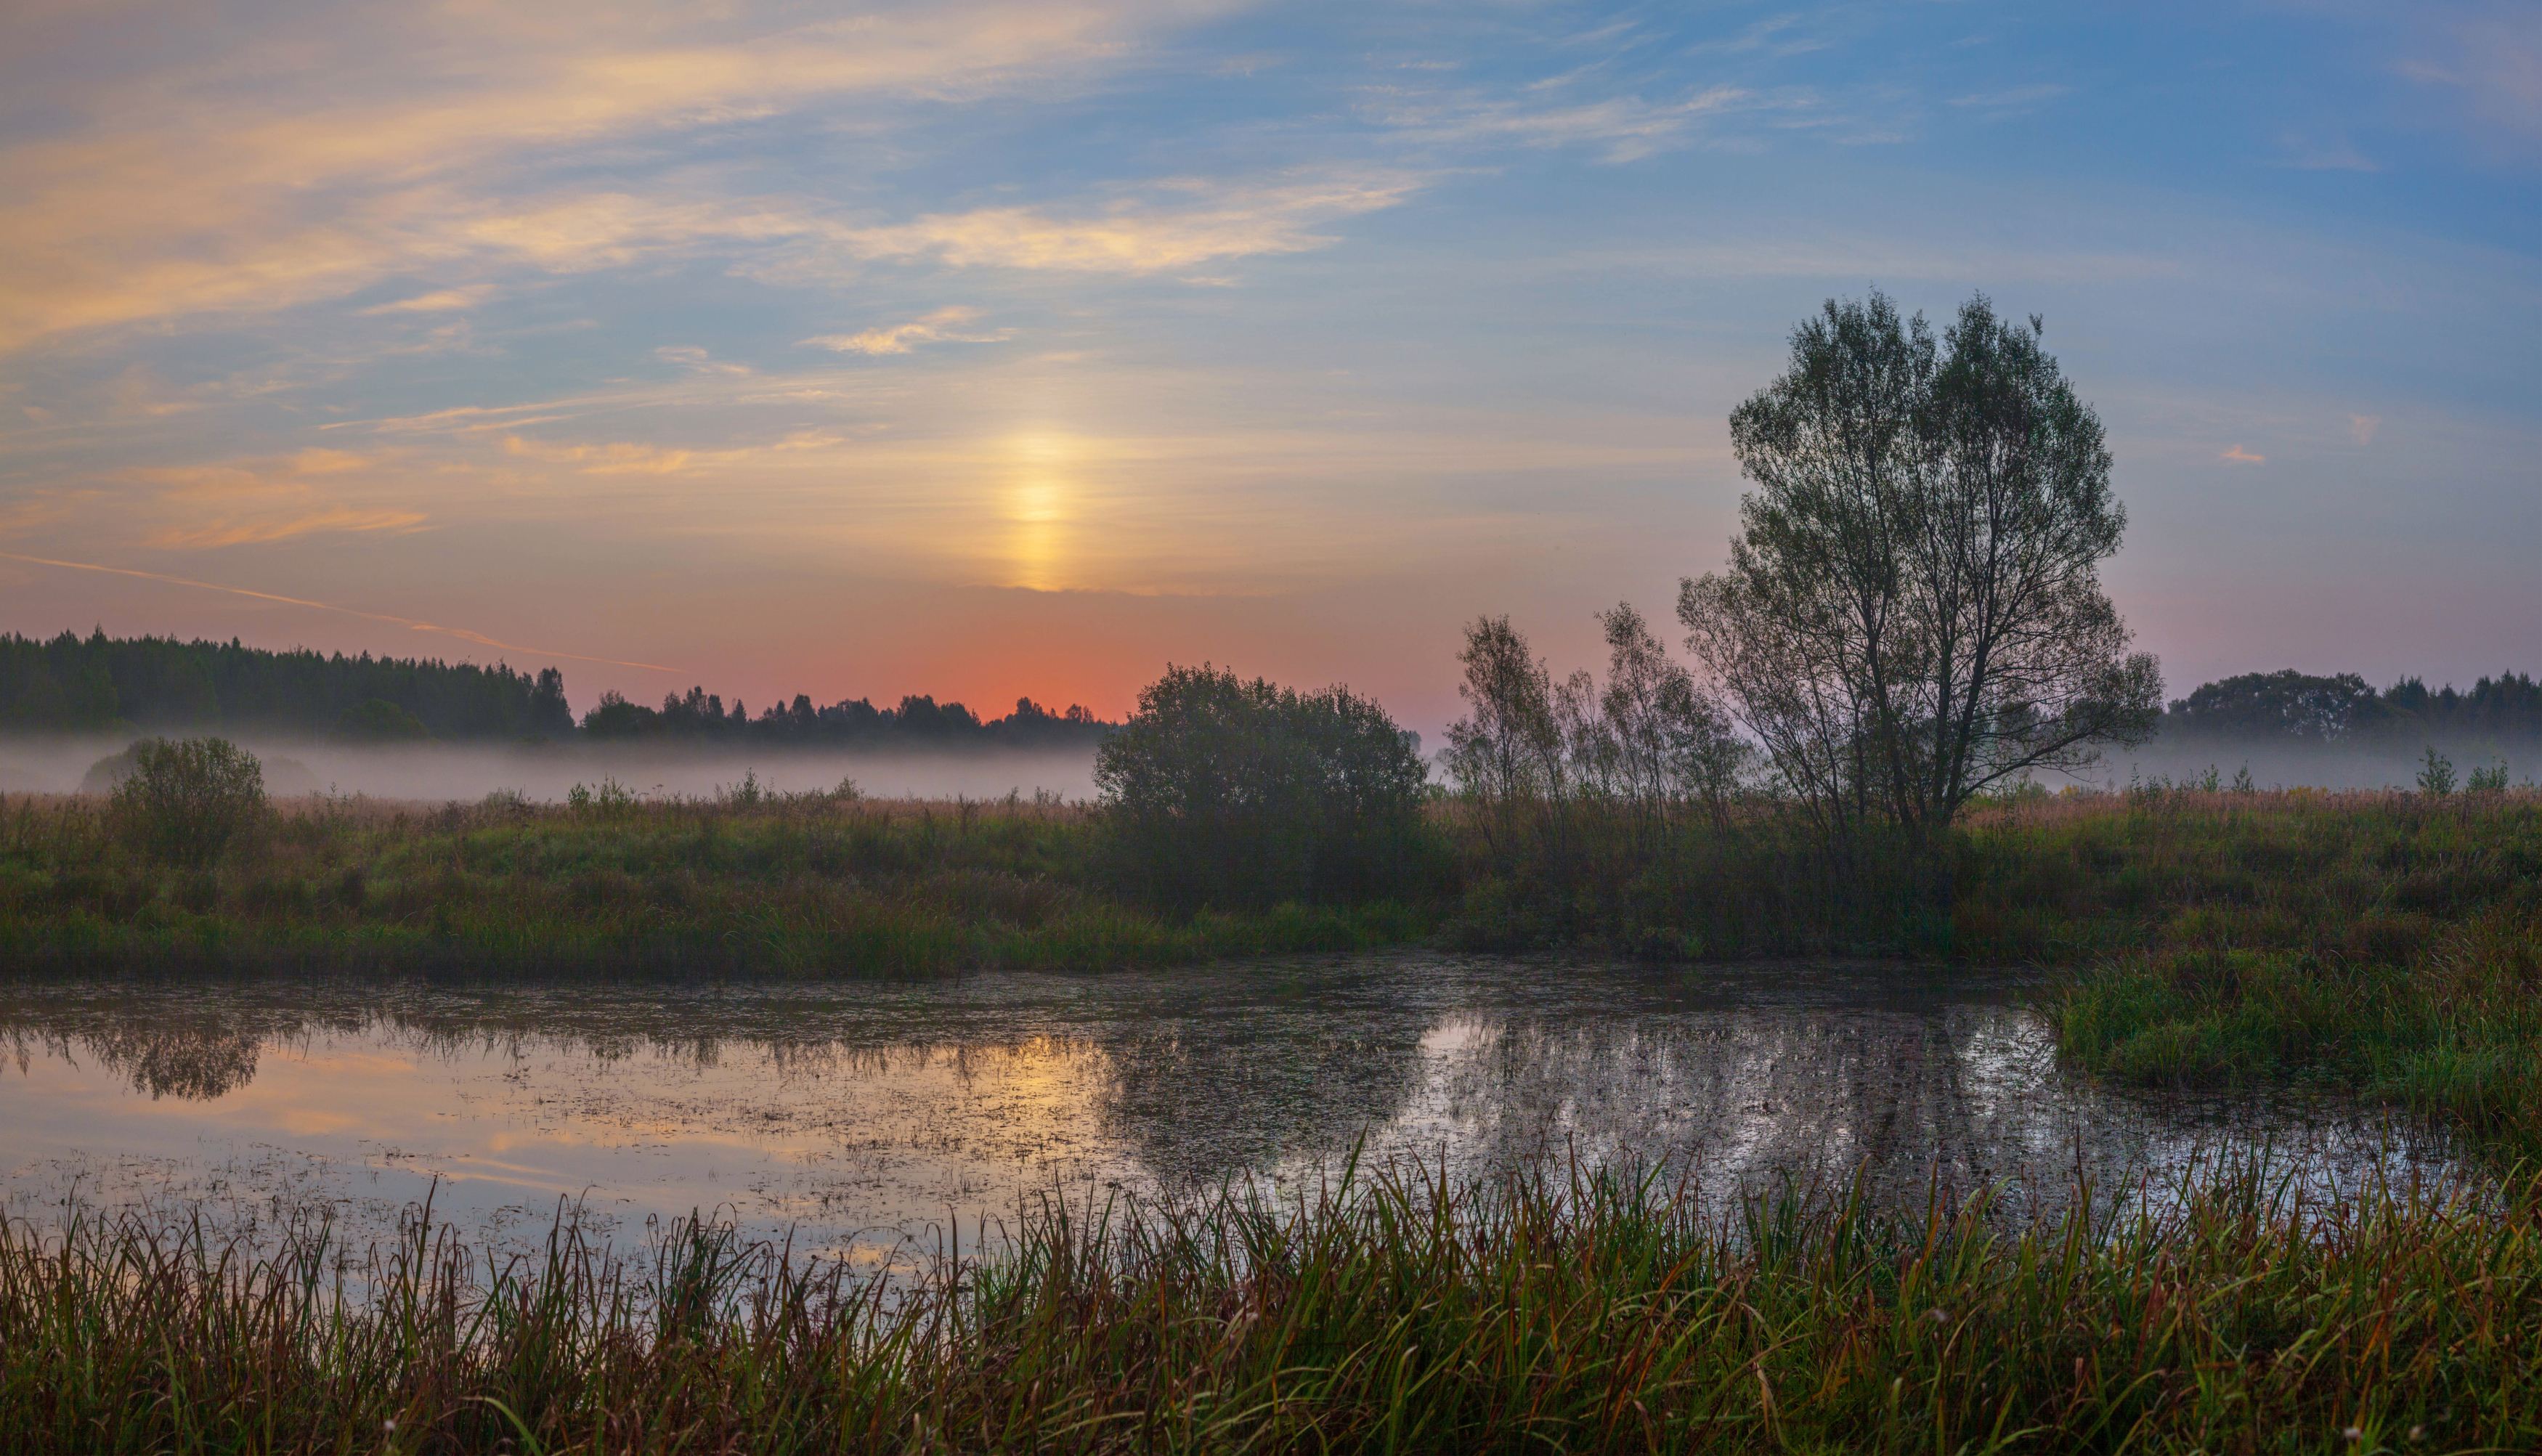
x=620, y=459
x=2493, y=63
x=2362, y=427
x=2019, y=95
x=2241, y=456
x=902, y=338
x=1631, y=126
x=446, y=300
x=271, y=528
x=253, y=501
x=697, y=361
x=1856, y=260
x=1138, y=233
x=410, y=622
x=309, y=184
x=2331, y=154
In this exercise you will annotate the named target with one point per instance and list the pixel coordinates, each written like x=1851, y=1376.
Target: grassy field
x=2385, y=943
x=1394, y=1315
x=808, y=884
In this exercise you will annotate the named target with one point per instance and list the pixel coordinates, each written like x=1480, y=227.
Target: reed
x=1398, y=1312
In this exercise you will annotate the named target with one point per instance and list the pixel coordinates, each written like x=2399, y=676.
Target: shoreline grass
x=1584, y=1312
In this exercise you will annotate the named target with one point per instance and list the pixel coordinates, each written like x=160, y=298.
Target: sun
x=1036, y=502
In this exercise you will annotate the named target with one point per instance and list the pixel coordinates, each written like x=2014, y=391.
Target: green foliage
x=2491, y=779
x=1391, y=1312
x=1223, y=792
x=2435, y=774
x=1913, y=608
x=184, y=801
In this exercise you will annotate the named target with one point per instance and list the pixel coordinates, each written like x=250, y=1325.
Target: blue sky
x=991, y=349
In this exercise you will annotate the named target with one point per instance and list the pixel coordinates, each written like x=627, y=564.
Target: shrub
x=185, y=800
x=1222, y=791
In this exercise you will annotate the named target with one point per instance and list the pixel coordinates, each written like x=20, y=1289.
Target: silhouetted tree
x=1914, y=609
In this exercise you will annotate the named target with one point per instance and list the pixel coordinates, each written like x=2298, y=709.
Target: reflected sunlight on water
x=859, y=1117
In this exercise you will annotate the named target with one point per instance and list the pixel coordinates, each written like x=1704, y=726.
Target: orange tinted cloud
x=307, y=188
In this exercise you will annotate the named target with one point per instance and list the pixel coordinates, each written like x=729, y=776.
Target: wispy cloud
x=696, y=360
x=2362, y=427
x=2016, y=97
x=442, y=301
x=2491, y=59
x=298, y=188
x=256, y=501
x=411, y=624
x=624, y=457
x=1173, y=224
x=1629, y=126
x=2240, y=456
x=938, y=326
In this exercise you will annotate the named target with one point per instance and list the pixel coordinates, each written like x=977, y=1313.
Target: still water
x=862, y=1119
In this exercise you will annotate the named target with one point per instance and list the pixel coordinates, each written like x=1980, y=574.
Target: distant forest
x=106, y=684
x=2288, y=706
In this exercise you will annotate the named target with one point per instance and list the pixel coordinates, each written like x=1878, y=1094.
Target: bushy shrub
x=1219, y=791
x=185, y=800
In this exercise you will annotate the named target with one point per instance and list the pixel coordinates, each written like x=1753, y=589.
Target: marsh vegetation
x=1393, y=1311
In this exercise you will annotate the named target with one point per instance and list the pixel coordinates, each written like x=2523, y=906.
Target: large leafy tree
x=1913, y=610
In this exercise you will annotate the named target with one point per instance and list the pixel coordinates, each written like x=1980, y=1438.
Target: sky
x=985, y=349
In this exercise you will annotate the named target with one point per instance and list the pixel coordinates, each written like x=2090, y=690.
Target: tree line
x=2341, y=708
x=102, y=684
x=98, y=684
x=702, y=717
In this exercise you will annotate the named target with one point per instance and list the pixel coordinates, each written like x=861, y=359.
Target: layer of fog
x=2280, y=762
x=444, y=772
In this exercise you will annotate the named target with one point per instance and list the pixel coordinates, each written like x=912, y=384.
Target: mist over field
x=441, y=772
x=2277, y=764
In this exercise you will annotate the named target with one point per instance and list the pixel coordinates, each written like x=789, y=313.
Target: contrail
x=410, y=622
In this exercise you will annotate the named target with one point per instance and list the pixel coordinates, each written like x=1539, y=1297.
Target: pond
x=860, y=1119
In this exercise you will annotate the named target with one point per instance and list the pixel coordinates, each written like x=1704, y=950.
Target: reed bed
x=1570, y=1311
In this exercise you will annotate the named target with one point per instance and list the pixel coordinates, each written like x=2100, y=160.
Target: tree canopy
x=1913, y=608
x=1225, y=791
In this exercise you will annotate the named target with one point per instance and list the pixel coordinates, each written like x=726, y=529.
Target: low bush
x=186, y=800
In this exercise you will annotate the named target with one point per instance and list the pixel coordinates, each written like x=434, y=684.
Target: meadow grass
x=2386, y=943
x=1570, y=1312
x=809, y=885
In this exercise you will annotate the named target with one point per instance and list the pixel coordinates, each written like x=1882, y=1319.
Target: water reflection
x=861, y=1116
